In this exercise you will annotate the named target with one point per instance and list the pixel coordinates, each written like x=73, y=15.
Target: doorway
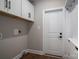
x=53, y=31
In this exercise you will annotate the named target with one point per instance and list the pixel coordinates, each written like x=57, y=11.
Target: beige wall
x=10, y=44
x=11, y=47
x=35, y=39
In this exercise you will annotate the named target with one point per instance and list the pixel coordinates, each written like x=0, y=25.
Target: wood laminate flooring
x=36, y=56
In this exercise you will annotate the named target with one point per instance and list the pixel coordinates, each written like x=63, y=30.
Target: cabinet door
x=3, y=5
x=27, y=10
x=14, y=7
x=73, y=51
x=31, y=11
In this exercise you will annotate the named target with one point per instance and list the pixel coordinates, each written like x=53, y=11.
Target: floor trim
x=35, y=51
x=20, y=54
x=30, y=51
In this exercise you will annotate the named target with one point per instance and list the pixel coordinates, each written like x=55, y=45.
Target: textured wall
x=36, y=33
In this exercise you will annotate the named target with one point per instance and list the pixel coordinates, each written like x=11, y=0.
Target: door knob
x=60, y=33
x=60, y=36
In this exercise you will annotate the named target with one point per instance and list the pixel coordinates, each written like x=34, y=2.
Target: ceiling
x=35, y=0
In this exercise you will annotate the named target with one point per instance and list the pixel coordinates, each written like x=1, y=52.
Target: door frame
x=44, y=23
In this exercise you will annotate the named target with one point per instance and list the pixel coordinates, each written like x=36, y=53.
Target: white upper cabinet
x=11, y=6
x=22, y=8
x=27, y=10
x=3, y=5
x=14, y=7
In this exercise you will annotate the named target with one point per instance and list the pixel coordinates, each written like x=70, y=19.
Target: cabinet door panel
x=31, y=10
x=3, y=5
x=25, y=9
x=14, y=7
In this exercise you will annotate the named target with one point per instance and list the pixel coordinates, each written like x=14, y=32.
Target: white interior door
x=53, y=26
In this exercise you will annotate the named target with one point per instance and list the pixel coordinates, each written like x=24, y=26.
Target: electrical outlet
x=17, y=31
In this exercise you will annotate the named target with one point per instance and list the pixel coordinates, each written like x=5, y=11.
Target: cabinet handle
x=76, y=48
x=29, y=15
x=6, y=3
x=9, y=5
x=60, y=33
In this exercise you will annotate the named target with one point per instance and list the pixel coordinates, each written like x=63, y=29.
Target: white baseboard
x=35, y=51
x=28, y=51
x=31, y=51
x=20, y=54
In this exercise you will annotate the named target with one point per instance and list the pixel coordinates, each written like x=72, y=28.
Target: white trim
x=20, y=54
x=35, y=51
x=44, y=24
x=52, y=9
x=32, y=51
x=28, y=51
x=65, y=3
